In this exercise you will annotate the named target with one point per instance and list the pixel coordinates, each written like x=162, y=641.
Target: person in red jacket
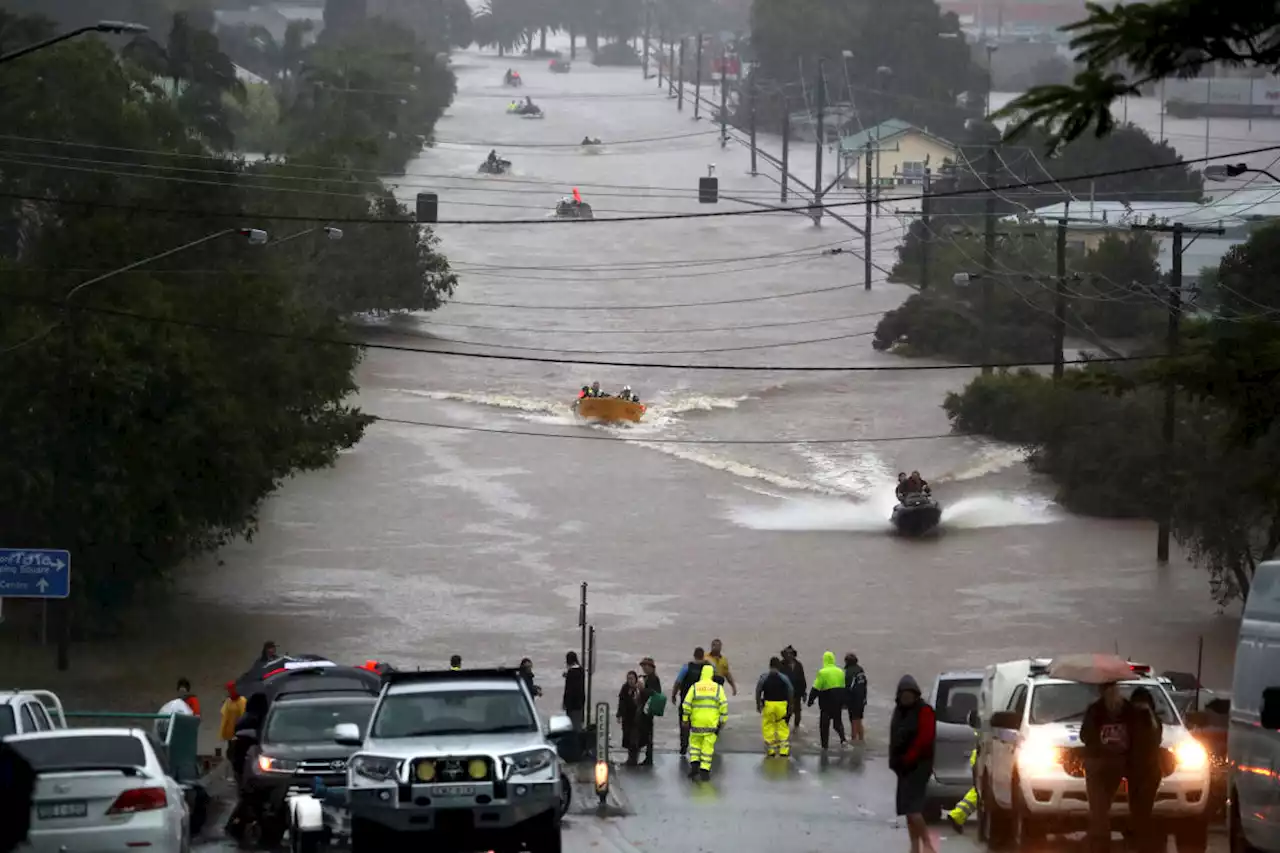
x=912, y=733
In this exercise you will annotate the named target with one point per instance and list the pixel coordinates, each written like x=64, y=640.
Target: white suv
x=1032, y=770
x=455, y=760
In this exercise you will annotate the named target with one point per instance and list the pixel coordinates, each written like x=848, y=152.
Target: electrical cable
x=221, y=329
x=808, y=208
x=778, y=345
x=643, y=440
x=431, y=321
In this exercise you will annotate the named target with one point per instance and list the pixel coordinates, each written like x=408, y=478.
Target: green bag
x=657, y=705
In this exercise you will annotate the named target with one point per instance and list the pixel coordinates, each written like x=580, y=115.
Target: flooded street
x=711, y=518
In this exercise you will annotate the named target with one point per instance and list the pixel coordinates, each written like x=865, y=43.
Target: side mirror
x=559, y=725
x=1006, y=720
x=347, y=734
x=1269, y=716
x=974, y=721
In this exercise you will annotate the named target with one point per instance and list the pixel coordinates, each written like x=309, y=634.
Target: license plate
x=52, y=811
x=454, y=790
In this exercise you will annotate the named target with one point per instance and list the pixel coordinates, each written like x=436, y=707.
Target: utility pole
x=786, y=146
x=644, y=58
x=660, y=37
x=926, y=236
x=1173, y=342
x=751, y=95
x=989, y=260
x=866, y=225
x=1060, y=304
x=680, y=85
x=821, y=97
x=671, y=70
x=724, y=100
x=697, y=82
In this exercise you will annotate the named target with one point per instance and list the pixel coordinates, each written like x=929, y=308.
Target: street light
x=111, y=27
x=1234, y=170
x=334, y=234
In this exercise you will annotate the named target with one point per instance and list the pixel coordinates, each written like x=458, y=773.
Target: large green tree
x=189, y=390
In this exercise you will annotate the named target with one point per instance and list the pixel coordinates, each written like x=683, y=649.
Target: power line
x=744, y=348
x=807, y=208
x=670, y=331
x=221, y=329
x=644, y=440
x=738, y=301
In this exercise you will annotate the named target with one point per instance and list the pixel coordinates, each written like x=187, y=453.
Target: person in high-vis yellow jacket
x=705, y=709
x=969, y=803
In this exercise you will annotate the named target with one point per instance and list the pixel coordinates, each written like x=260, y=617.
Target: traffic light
x=428, y=207
x=708, y=190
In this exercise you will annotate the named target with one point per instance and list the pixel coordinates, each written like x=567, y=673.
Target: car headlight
x=267, y=764
x=1191, y=755
x=528, y=763
x=375, y=768
x=1037, y=756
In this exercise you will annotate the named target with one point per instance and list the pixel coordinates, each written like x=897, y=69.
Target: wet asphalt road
x=808, y=805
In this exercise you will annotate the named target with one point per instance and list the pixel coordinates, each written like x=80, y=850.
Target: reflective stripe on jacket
x=705, y=706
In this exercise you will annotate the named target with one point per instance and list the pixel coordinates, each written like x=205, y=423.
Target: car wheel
x=566, y=794
x=1026, y=831
x=995, y=821
x=1192, y=836
x=1235, y=831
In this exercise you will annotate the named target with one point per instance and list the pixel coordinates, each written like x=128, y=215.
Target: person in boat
x=595, y=390
x=492, y=161
x=585, y=392
x=507, y=78
x=916, y=485
x=901, y=490
x=587, y=140
x=528, y=103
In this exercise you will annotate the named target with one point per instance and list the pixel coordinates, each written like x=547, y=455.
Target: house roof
x=884, y=131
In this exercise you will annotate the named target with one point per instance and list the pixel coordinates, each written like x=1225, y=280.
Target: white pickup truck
x=1030, y=762
x=25, y=711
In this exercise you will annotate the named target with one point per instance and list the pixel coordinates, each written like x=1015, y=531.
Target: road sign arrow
x=42, y=584
x=59, y=566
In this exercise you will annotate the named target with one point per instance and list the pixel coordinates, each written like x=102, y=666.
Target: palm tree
x=199, y=74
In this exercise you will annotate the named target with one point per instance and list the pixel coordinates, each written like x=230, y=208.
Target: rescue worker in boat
x=493, y=159
x=969, y=803
x=705, y=709
x=626, y=394
x=901, y=490
x=595, y=390
x=585, y=392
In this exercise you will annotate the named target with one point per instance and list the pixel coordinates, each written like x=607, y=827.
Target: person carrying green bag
x=653, y=704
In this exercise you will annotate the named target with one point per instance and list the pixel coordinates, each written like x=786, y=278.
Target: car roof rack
x=1040, y=666
x=439, y=675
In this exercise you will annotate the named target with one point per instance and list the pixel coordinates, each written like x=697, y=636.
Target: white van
x=1253, y=813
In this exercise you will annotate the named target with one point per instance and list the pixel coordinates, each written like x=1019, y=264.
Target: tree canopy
x=147, y=424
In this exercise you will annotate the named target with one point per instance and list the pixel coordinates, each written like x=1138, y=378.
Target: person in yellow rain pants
x=705, y=709
x=774, y=697
x=969, y=803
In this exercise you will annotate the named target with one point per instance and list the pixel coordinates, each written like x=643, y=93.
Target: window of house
x=912, y=169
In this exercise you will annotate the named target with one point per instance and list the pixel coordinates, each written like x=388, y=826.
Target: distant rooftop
x=883, y=131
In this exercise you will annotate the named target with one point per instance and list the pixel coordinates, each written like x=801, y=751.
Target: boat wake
x=813, y=514
x=663, y=410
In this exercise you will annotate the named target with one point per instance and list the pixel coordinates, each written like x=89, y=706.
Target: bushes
x=616, y=53
x=935, y=324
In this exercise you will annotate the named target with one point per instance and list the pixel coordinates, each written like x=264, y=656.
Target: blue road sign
x=34, y=573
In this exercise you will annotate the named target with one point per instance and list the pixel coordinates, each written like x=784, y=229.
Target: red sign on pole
x=729, y=66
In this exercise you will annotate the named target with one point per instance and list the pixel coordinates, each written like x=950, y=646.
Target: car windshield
x=454, y=712
x=71, y=751
x=956, y=698
x=1063, y=703
x=313, y=722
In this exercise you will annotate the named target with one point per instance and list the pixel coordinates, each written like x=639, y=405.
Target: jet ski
x=559, y=66
x=495, y=167
x=514, y=81
x=573, y=208
x=916, y=515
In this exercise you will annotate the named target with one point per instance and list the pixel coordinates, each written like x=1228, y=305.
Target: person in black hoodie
x=1107, y=734
x=17, y=786
x=628, y=714
x=912, y=733
x=794, y=671
x=1144, y=770
x=575, y=691
x=855, y=680
x=649, y=686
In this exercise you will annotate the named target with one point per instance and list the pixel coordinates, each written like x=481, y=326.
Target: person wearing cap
x=774, y=700
x=455, y=663
x=650, y=686
x=794, y=671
